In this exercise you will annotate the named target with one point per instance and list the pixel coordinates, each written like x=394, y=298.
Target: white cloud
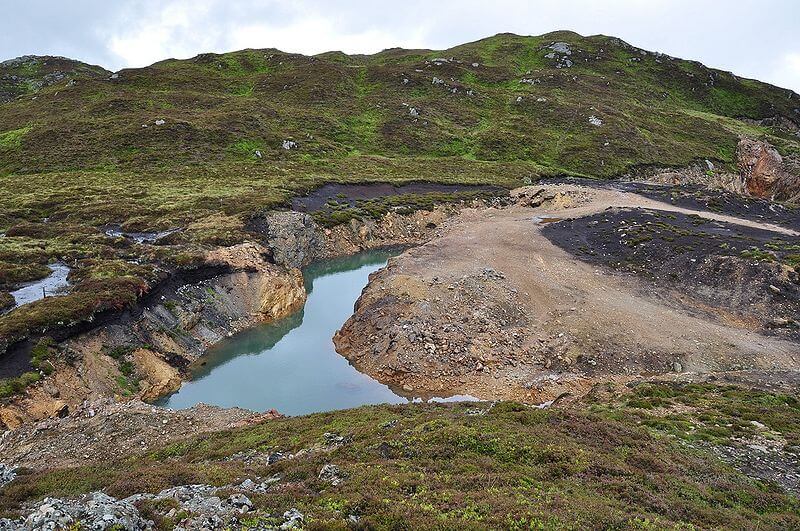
x=172, y=31
x=126, y=33
x=787, y=72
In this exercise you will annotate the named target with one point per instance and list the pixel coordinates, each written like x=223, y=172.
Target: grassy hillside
x=505, y=98
x=203, y=143
x=642, y=460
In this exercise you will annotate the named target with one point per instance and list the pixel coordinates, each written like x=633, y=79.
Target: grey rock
x=292, y=519
x=95, y=511
x=331, y=474
x=295, y=239
x=7, y=474
x=561, y=47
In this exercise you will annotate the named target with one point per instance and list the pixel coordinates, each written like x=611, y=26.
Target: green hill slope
x=565, y=103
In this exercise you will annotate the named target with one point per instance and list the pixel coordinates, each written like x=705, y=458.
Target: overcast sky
x=759, y=39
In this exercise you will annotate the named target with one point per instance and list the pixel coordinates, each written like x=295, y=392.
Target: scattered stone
x=274, y=457
x=96, y=511
x=7, y=474
x=160, y=122
x=292, y=519
x=331, y=474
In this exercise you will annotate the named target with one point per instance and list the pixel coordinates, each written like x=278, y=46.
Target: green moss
x=13, y=139
x=15, y=386
x=759, y=255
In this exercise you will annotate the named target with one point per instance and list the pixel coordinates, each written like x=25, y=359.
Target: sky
x=758, y=39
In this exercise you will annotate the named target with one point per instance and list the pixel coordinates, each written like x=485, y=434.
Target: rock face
x=177, y=328
x=764, y=172
x=296, y=240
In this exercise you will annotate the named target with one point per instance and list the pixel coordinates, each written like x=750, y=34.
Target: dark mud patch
x=353, y=194
x=747, y=272
x=697, y=197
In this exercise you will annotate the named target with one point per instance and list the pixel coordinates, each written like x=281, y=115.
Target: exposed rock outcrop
x=760, y=172
x=296, y=240
x=161, y=341
x=764, y=171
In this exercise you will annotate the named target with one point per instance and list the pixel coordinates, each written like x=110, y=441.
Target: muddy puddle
x=291, y=365
x=544, y=220
x=54, y=284
x=352, y=193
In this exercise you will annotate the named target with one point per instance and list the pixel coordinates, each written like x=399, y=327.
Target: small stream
x=291, y=365
x=54, y=284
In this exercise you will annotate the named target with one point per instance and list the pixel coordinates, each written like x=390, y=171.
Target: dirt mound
x=86, y=435
x=494, y=309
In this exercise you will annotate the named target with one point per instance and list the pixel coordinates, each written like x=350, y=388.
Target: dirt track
x=493, y=308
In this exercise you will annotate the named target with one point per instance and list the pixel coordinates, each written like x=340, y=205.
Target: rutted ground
x=495, y=309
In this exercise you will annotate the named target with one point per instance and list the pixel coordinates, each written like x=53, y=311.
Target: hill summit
x=559, y=102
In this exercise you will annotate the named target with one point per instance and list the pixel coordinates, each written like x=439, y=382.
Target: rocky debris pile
x=86, y=434
x=561, y=52
x=96, y=511
x=193, y=507
x=204, y=505
x=551, y=197
x=422, y=334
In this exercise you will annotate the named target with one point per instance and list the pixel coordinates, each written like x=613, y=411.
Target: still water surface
x=291, y=365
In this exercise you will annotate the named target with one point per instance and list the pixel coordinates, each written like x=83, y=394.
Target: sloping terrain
x=627, y=458
x=502, y=304
x=29, y=74
x=188, y=151
x=182, y=197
